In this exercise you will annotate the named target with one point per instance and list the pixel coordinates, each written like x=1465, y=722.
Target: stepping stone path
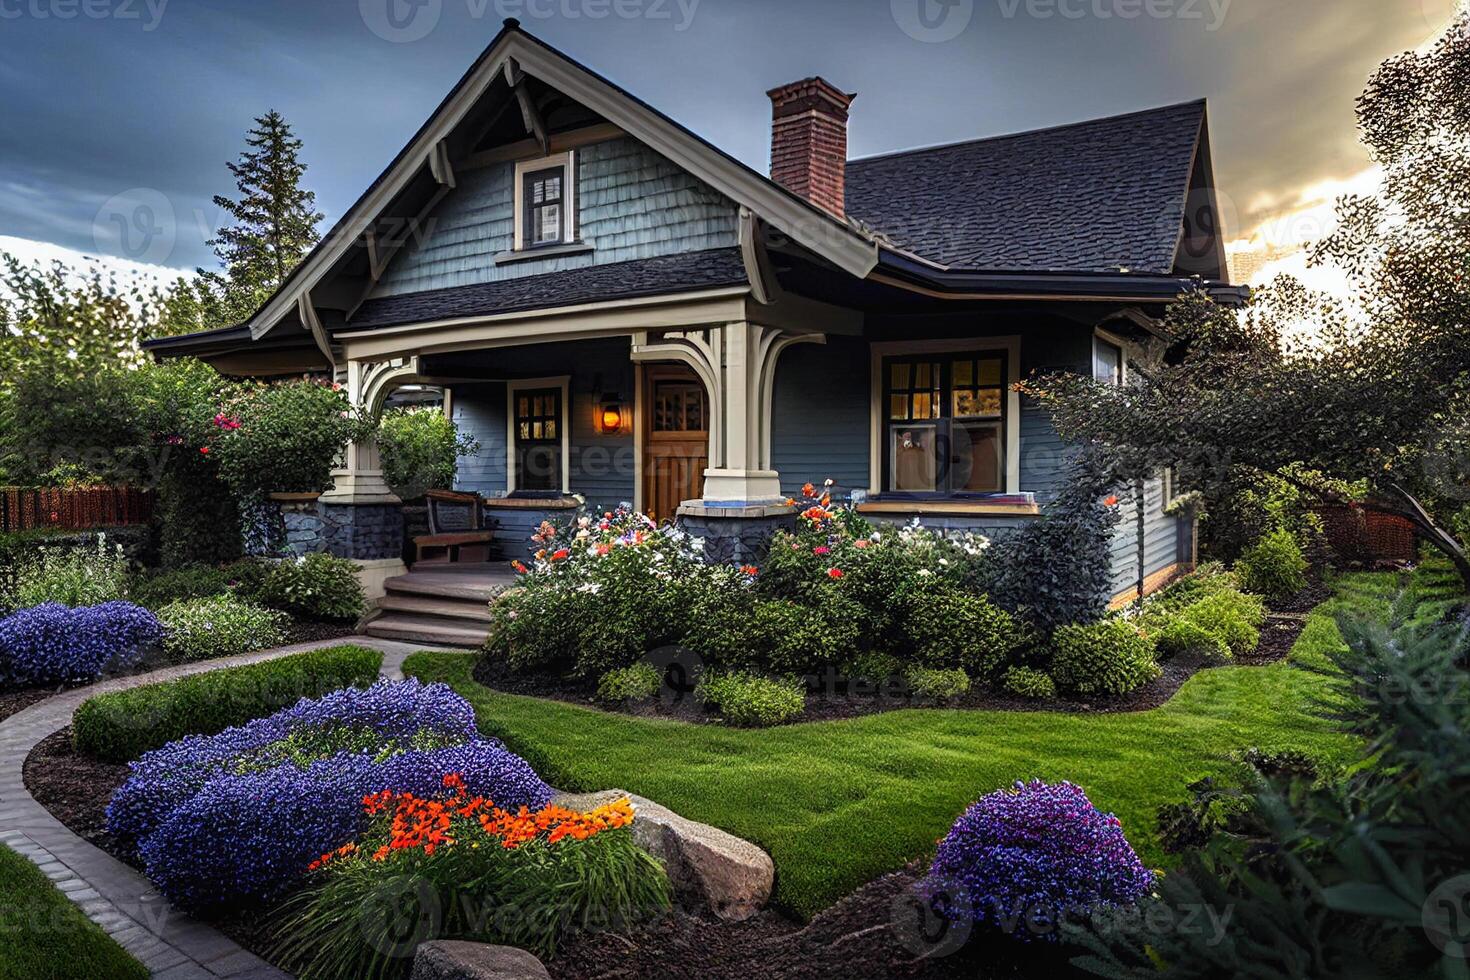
x=122, y=901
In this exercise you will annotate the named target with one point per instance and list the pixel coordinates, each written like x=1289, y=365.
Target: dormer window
x=545, y=202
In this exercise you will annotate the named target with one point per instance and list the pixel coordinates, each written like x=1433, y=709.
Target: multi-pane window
x=945, y=427
x=538, y=434
x=544, y=207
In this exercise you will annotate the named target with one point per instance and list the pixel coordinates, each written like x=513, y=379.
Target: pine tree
x=274, y=224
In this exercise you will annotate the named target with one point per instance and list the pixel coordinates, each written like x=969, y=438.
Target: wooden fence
x=28, y=508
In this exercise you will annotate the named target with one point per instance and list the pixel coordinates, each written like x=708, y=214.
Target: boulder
x=447, y=959
x=707, y=866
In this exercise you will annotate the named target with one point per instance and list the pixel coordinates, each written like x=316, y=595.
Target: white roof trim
x=827, y=236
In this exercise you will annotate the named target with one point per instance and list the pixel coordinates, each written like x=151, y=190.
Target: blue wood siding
x=1161, y=535
x=632, y=204
x=821, y=414
x=601, y=467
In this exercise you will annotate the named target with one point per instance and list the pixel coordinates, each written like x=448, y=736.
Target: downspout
x=1140, y=491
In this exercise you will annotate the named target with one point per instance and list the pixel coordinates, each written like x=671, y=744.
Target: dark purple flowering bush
x=1023, y=859
x=239, y=815
x=54, y=644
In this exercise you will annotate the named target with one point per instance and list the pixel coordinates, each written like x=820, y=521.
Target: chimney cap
x=812, y=87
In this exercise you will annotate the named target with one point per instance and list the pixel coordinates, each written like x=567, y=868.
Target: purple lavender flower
x=55, y=644
x=1023, y=859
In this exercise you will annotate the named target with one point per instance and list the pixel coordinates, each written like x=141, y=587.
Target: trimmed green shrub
x=953, y=629
x=937, y=684
x=639, y=682
x=85, y=576
x=121, y=726
x=315, y=586
x=1234, y=617
x=1274, y=566
x=1107, y=657
x=752, y=701
x=1181, y=636
x=219, y=626
x=785, y=637
x=157, y=589
x=1027, y=682
x=421, y=449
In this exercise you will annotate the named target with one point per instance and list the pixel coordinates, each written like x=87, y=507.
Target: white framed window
x=537, y=436
x=546, y=201
x=1109, y=358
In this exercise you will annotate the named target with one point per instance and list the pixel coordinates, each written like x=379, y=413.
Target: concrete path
x=119, y=899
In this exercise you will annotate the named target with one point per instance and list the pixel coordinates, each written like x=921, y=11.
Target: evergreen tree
x=274, y=225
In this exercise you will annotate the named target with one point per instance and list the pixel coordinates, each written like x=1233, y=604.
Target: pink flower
x=860, y=543
x=834, y=573
x=821, y=549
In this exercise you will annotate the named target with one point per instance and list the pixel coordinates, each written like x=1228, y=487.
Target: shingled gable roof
x=1100, y=196
x=837, y=241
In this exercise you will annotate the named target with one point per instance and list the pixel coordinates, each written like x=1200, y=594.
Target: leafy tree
x=274, y=225
x=421, y=449
x=1386, y=401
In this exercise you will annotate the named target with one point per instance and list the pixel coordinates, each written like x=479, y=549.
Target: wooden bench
x=458, y=531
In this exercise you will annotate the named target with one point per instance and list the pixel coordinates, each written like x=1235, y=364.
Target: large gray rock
x=448, y=959
x=707, y=866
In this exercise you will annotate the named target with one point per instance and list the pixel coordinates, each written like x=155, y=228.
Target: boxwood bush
x=949, y=628
x=219, y=626
x=937, y=683
x=122, y=725
x=752, y=701
x=1107, y=657
x=314, y=586
x=1027, y=682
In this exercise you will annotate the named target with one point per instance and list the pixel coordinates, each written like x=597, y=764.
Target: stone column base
x=373, y=573
x=365, y=532
x=735, y=535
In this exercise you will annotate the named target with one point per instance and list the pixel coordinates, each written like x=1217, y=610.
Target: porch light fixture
x=610, y=414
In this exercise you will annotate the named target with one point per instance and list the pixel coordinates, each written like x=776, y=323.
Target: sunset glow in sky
x=153, y=97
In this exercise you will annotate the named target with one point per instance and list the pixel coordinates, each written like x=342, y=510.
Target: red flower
x=808, y=490
x=561, y=555
x=750, y=570
x=204, y=450
x=821, y=549
x=1112, y=500
x=834, y=573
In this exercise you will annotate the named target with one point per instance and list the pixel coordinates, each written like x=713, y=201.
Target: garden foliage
x=749, y=700
x=219, y=626
x=1274, y=566
x=121, y=725
x=56, y=644
x=314, y=586
x=421, y=448
x=1024, y=860
x=1107, y=657
x=239, y=815
x=72, y=576
x=461, y=866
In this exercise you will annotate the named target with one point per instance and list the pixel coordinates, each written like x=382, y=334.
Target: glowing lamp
x=610, y=415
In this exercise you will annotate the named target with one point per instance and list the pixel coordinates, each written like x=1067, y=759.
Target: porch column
x=361, y=516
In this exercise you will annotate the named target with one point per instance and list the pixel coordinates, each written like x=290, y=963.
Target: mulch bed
x=1304, y=601
x=829, y=697
x=309, y=631
x=14, y=702
x=871, y=933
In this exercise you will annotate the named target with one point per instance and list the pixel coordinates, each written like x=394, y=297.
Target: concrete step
x=440, y=585
x=426, y=629
x=434, y=607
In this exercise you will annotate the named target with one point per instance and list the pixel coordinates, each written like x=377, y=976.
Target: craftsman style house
x=615, y=308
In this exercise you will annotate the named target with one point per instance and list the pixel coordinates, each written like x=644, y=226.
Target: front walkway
x=119, y=899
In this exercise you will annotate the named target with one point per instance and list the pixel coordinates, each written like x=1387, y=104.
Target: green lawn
x=839, y=803
x=45, y=936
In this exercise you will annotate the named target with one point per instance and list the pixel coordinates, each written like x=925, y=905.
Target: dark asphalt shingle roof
x=688, y=271
x=1088, y=197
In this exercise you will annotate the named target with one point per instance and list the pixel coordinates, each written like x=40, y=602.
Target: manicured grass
x=46, y=937
x=838, y=803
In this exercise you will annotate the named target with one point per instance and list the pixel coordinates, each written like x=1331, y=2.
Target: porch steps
x=440, y=604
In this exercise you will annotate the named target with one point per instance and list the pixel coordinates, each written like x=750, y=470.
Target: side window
x=546, y=202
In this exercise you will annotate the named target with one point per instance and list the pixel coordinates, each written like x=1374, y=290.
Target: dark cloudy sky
x=148, y=98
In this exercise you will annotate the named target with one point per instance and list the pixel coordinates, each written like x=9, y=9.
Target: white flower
x=697, y=544
x=590, y=587
x=592, y=551
x=944, y=561
x=925, y=571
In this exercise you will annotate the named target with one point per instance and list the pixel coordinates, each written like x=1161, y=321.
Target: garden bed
x=830, y=697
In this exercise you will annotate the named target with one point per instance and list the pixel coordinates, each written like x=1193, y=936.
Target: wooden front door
x=675, y=438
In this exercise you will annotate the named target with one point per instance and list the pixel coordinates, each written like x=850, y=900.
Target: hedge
x=121, y=726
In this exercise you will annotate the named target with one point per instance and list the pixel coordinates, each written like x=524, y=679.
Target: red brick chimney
x=809, y=140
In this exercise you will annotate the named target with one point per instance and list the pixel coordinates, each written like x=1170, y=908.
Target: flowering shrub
x=598, y=594
x=281, y=437
x=239, y=815
x=71, y=576
x=1107, y=657
x=1022, y=860
x=219, y=626
x=53, y=644
x=465, y=860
